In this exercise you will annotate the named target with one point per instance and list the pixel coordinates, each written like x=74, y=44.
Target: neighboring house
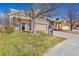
x=59, y=24
x=76, y=25
x=66, y=24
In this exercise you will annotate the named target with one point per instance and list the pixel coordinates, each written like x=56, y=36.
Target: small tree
x=8, y=29
x=4, y=21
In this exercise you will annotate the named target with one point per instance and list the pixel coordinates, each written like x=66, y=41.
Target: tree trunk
x=71, y=25
x=19, y=24
x=34, y=30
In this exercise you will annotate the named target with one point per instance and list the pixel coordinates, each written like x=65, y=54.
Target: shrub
x=8, y=29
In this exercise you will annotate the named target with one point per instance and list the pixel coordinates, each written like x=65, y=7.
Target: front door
x=23, y=26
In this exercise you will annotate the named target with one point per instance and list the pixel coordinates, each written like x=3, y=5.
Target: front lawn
x=23, y=43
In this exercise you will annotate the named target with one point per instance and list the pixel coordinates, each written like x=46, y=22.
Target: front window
x=17, y=24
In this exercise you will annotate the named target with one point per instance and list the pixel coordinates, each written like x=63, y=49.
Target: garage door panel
x=41, y=27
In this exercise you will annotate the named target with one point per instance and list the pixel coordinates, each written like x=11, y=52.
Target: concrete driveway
x=69, y=47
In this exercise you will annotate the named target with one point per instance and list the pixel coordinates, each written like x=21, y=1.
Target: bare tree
x=72, y=16
x=44, y=9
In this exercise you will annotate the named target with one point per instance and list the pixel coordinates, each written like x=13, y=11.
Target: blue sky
x=20, y=6
x=26, y=6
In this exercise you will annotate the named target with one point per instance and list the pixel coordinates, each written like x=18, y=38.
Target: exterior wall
x=65, y=28
x=59, y=25
x=17, y=23
x=56, y=25
x=41, y=25
x=16, y=28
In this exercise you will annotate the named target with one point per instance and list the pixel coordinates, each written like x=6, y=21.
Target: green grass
x=23, y=43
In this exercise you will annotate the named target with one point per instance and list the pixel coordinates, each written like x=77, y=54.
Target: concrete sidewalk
x=69, y=47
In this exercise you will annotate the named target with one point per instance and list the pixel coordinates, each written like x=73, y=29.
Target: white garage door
x=41, y=27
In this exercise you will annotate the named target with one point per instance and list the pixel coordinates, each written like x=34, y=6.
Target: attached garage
x=41, y=27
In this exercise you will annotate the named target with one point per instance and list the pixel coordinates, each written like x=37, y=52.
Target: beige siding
x=65, y=28
x=16, y=28
x=41, y=25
